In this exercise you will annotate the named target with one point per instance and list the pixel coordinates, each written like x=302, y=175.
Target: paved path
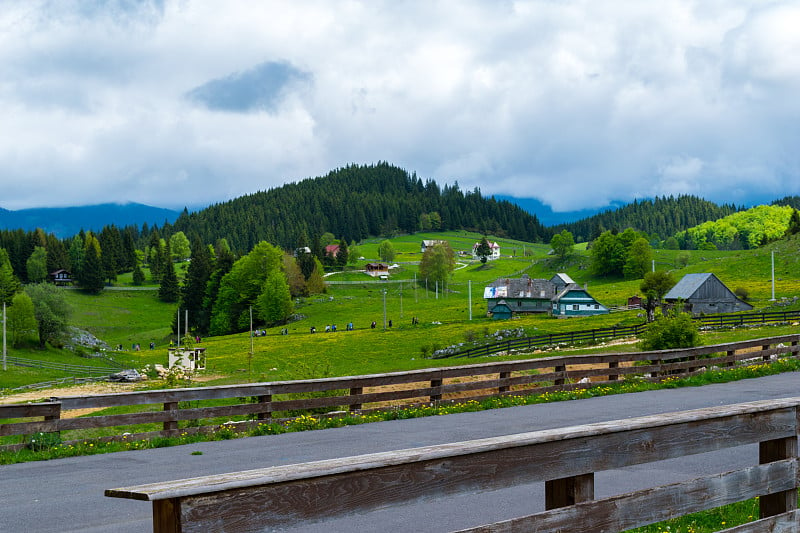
x=67, y=494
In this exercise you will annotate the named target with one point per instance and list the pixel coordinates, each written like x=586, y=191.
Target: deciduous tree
x=50, y=309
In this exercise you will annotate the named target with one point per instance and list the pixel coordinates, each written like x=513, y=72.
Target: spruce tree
x=168, y=290
x=91, y=271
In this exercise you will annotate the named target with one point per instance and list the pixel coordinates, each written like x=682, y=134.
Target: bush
x=677, y=330
x=43, y=441
x=742, y=293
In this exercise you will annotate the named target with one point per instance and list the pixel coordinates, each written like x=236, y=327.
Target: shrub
x=43, y=441
x=677, y=330
x=742, y=293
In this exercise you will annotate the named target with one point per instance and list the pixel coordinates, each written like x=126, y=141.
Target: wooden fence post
x=353, y=392
x=775, y=450
x=504, y=388
x=731, y=353
x=560, y=368
x=435, y=397
x=267, y=414
x=171, y=425
x=765, y=348
x=613, y=377
x=568, y=491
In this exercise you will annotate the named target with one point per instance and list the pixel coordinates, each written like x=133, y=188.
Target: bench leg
x=167, y=516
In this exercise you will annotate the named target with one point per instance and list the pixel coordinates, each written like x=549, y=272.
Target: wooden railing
x=614, y=332
x=176, y=409
x=566, y=460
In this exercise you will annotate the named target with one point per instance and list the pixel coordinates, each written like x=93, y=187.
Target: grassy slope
x=126, y=317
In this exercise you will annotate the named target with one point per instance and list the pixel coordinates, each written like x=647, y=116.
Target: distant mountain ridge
x=67, y=221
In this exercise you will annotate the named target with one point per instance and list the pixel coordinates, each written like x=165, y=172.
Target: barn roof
x=687, y=286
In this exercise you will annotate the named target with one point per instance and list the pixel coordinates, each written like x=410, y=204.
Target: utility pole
x=384, y=309
x=469, y=292
x=773, y=276
x=251, y=330
x=4, y=336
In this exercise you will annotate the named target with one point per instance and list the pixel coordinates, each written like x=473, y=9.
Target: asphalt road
x=67, y=494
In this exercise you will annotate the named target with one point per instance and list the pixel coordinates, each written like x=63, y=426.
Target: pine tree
x=197, y=277
x=168, y=290
x=9, y=284
x=91, y=271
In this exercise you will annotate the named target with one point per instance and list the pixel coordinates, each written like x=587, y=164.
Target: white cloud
x=576, y=103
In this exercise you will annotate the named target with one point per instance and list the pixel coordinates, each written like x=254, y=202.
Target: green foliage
x=607, y=255
x=380, y=199
x=483, y=250
x=138, y=274
x=386, y=251
x=21, y=319
x=662, y=216
x=275, y=302
x=745, y=229
x=654, y=286
x=639, y=260
x=677, y=330
x=9, y=284
x=37, y=265
x=90, y=275
x=43, y=441
x=794, y=223
x=168, y=290
x=562, y=244
x=240, y=288
x=50, y=309
x=179, y=246
x=437, y=263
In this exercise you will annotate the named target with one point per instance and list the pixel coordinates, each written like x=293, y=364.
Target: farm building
x=429, y=244
x=574, y=300
x=493, y=246
x=522, y=295
x=61, y=277
x=559, y=295
x=376, y=269
x=704, y=293
x=561, y=280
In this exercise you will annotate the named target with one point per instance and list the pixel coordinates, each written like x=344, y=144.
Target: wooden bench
x=565, y=459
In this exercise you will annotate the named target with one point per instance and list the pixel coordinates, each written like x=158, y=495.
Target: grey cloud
x=259, y=88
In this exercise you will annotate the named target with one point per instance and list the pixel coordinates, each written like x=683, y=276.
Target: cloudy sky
x=576, y=103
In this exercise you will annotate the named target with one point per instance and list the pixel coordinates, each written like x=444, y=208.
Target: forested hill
x=662, y=216
x=353, y=203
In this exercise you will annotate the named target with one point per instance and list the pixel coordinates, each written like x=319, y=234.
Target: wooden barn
x=376, y=269
x=704, y=294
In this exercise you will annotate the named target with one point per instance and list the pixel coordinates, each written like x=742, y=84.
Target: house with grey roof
x=559, y=295
x=704, y=294
x=574, y=300
x=520, y=295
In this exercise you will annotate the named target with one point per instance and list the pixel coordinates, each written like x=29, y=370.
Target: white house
x=492, y=246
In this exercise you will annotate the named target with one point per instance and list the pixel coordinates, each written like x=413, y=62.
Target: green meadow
x=124, y=315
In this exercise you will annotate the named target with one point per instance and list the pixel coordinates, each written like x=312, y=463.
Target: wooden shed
x=704, y=294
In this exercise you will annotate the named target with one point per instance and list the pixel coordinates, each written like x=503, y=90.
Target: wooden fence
x=615, y=332
x=174, y=410
x=565, y=459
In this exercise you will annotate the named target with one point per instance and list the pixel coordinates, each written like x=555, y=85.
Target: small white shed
x=188, y=358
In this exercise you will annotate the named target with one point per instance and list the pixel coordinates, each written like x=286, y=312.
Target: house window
x=575, y=307
x=519, y=303
x=597, y=306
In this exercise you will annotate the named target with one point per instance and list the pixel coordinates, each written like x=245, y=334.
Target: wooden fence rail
x=614, y=332
x=186, y=410
x=565, y=459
